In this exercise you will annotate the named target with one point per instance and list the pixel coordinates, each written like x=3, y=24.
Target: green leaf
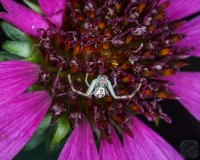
x=13, y=33
x=23, y=49
x=59, y=131
x=54, y=148
x=44, y=124
x=8, y=56
x=36, y=57
x=58, y=134
x=35, y=140
x=34, y=7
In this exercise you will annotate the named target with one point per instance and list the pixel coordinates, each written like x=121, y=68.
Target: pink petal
x=147, y=144
x=191, y=29
x=81, y=144
x=181, y=8
x=16, y=77
x=56, y=19
x=22, y=18
x=19, y=120
x=51, y=7
x=187, y=86
x=54, y=10
x=113, y=151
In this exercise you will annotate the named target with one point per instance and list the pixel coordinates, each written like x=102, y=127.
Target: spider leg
x=35, y=46
x=107, y=91
x=86, y=77
x=115, y=81
x=124, y=96
x=90, y=89
x=141, y=45
x=73, y=89
x=61, y=94
x=93, y=92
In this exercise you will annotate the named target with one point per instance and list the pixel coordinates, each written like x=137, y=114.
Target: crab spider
x=100, y=86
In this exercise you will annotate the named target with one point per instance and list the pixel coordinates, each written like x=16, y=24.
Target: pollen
x=106, y=53
x=114, y=63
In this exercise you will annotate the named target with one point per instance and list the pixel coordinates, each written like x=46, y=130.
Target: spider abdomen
x=100, y=92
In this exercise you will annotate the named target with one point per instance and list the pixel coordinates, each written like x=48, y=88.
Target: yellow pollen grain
x=106, y=53
x=115, y=63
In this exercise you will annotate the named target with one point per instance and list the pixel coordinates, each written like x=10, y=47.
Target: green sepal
x=53, y=148
x=13, y=33
x=8, y=56
x=35, y=140
x=157, y=121
x=36, y=57
x=58, y=132
x=44, y=124
x=34, y=7
x=23, y=49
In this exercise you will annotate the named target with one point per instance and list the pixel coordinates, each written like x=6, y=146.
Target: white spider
x=100, y=86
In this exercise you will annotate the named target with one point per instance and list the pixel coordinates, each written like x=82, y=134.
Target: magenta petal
x=112, y=151
x=181, y=8
x=19, y=120
x=51, y=7
x=80, y=145
x=18, y=14
x=191, y=29
x=56, y=19
x=187, y=86
x=147, y=144
x=16, y=77
x=54, y=10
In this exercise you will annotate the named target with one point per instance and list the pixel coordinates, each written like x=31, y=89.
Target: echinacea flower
x=95, y=65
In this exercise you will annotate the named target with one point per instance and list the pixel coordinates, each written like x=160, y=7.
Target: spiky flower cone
x=130, y=44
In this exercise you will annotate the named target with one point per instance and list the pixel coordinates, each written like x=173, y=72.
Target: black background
x=183, y=127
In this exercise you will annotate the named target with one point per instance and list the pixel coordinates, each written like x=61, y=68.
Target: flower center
x=106, y=59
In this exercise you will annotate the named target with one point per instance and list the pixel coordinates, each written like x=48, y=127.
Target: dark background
x=183, y=127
